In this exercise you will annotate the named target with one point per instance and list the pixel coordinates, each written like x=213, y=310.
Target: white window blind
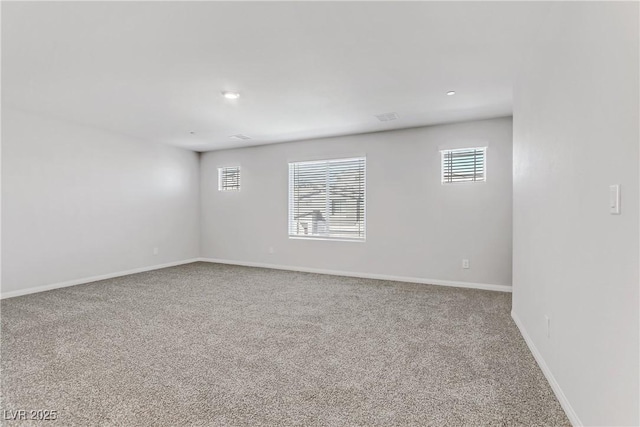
x=229, y=178
x=327, y=199
x=463, y=165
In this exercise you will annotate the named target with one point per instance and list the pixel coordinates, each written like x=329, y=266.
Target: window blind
x=463, y=165
x=229, y=178
x=327, y=199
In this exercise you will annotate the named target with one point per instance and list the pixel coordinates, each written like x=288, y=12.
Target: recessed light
x=240, y=137
x=451, y=92
x=231, y=95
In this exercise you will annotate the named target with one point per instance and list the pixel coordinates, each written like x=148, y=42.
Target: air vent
x=240, y=137
x=387, y=117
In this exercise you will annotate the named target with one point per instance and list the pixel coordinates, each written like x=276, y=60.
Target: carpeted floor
x=210, y=344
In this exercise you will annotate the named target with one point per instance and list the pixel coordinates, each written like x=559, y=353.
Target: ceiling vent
x=240, y=137
x=387, y=117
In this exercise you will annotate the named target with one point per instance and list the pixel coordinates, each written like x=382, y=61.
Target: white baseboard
x=484, y=286
x=564, y=402
x=74, y=282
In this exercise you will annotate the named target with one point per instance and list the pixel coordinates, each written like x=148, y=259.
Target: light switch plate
x=614, y=199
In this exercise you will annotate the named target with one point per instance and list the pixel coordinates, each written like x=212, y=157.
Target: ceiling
x=155, y=70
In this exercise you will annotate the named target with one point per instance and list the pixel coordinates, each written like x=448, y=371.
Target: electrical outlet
x=547, y=320
x=465, y=263
x=155, y=251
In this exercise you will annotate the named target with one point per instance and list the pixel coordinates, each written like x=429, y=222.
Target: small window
x=229, y=178
x=327, y=199
x=464, y=165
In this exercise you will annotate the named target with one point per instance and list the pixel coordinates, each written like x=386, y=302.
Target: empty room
x=320, y=213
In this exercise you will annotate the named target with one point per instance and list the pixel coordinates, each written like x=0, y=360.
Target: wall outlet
x=465, y=263
x=547, y=320
x=271, y=249
x=155, y=251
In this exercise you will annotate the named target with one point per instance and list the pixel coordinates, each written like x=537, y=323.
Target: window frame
x=443, y=152
x=290, y=205
x=221, y=188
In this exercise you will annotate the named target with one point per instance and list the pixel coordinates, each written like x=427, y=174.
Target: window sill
x=332, y=239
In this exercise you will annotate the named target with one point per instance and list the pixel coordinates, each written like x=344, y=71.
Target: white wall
x=416, y=227
x=575, y=133
x=79, y=202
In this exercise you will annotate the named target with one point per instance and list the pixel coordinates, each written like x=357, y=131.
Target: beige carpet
x=209, y=344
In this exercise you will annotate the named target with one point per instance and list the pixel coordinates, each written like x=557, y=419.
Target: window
x=327, y=199
x=463, y=165
x=229, y=178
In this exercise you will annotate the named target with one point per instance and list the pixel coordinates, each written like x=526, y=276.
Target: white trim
x=562, y=398
x=453, y=150
x=331, y=160
x=485, y=286
x=331, y=239
x=74, y=282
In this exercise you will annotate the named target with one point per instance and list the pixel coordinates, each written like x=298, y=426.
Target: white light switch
x=548, y=322
x=614, y=199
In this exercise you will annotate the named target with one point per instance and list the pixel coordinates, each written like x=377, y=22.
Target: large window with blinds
x=229, y=178
x=464, y=165
x=327, y=199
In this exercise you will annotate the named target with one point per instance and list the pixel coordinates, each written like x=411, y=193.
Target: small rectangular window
x=327, y=199
x=229, y=178
x=464, y=165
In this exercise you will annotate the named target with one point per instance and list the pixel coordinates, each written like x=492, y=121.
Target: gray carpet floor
x=210, y=344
